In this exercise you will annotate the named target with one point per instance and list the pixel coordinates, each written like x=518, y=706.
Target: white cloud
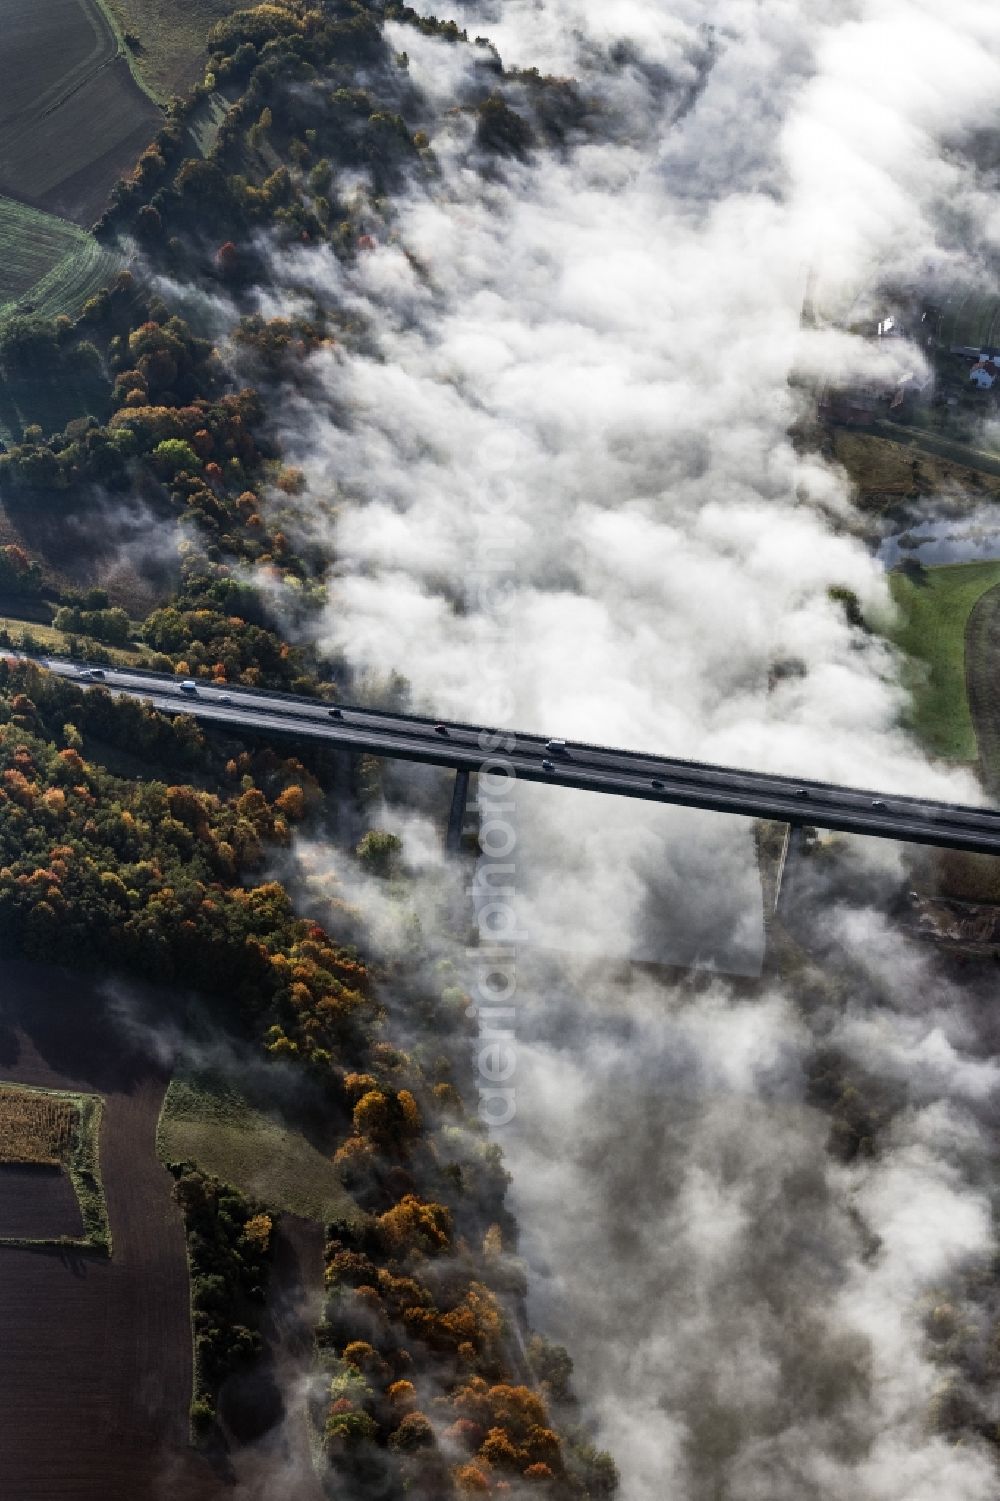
x=586, y=359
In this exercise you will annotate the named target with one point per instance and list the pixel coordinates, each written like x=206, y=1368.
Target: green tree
x=174, y=455
x=379, y=852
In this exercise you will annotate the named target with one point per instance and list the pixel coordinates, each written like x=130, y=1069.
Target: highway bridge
x=563, y=763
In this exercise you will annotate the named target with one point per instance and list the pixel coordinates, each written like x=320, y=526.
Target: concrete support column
x=784, y=890
x=456, y=818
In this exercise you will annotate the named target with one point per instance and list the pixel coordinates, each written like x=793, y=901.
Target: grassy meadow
x=207, y=1120
x=934, y=609
x=885, y=473
x=50, y=400
x=35, y=248
x=172, y=38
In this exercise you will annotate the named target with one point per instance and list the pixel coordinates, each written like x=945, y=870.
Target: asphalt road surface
x=533, y=758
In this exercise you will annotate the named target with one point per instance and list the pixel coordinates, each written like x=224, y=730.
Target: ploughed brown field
x=95, y=1355
x=72, y=118
x=36, y=1203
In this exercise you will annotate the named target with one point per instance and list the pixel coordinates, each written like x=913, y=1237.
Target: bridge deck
x=591, y=768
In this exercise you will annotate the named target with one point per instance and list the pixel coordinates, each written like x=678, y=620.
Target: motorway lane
x=586, y=767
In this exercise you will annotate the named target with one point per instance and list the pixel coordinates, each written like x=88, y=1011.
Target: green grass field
x=32, y=247
x=207, y=1120
x=46, y=638
x=50, y=399
x=172, y=34
x=203, y=125
x=934, y=612
x=970, y=319
x=76, y=279
x=48, y=263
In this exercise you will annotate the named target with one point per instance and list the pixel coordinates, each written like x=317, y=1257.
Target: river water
x=973, y=537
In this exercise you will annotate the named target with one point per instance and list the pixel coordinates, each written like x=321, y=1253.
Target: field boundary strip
x=126, y=52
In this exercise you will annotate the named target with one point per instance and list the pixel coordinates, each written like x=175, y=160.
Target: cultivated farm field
x=37, y=1205
x=44, y=1129
x=54, y=263
x=95, y=1353
x=74, y=279
x=72, y=117
x=36, y=1126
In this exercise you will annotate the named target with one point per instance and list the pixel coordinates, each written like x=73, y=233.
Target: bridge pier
x=620, y=773
x=788, y=866
x=456, y=818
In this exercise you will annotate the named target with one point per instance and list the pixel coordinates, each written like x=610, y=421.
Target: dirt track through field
x=95, y=1355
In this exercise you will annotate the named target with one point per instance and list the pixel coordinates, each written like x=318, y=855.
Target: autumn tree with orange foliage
x=157, y=878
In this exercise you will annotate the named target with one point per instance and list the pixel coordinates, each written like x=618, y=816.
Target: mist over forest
x=548, y=367
x=586, y=358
